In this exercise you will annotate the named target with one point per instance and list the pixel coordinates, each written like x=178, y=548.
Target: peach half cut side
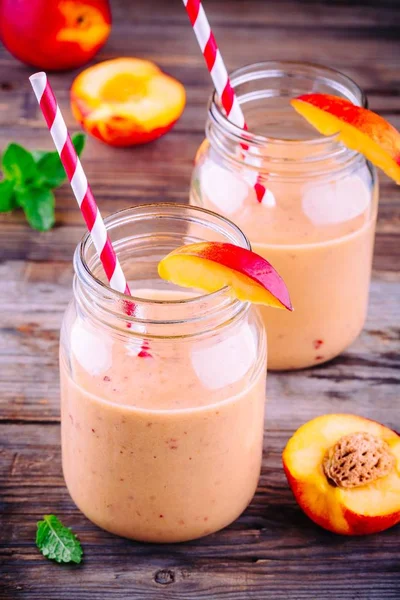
x=211, y=266
x=126, y=101
x=358, y=128
x=362, y=456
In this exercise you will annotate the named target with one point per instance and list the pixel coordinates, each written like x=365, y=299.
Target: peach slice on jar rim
x=344, y=472
x=211, y=266
x=358, y=128
x=126, y=101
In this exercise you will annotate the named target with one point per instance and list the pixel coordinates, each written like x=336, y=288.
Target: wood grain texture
x=34, y=296
x=272, y=551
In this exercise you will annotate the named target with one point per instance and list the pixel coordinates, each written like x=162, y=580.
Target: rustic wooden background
x=273, y=551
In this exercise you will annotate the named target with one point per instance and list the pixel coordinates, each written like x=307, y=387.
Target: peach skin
x=358, y=128
x=54, y=34
x=210, y=266
x=126, y=101
x=344, y=472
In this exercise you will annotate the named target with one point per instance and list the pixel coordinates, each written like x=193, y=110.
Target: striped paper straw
x=79, y=183
x=218, y=72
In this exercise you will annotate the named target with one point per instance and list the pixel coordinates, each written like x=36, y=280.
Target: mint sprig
x=29, y=178
x=7, y=198
x=38, y=206
x=18, y=165
x=57, y=542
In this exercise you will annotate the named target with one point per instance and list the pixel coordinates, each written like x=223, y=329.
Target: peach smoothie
x=165, y=445
x=328, y=282
x=306, y=201
x=319, y=236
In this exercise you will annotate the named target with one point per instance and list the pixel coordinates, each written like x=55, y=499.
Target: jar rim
x=87, y=279
x=260, y=70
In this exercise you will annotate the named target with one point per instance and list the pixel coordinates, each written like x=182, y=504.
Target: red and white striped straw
x=218, y=72
x=79, y=183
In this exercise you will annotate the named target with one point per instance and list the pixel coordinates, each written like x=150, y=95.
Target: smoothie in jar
x=163, y=419
x=316, y=222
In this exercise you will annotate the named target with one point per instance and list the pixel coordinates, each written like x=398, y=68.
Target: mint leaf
x=49, y=163
x=38, y=206
x=29, y=178
x=51, y=169
x=57, y=542
x=79, y=140
x=38, y=154
x=19, y=166
x=7, y=197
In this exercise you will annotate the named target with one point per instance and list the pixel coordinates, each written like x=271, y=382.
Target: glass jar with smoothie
x=163, y=394
x=316, y=221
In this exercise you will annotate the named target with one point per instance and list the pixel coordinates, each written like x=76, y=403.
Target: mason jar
x=162, y=394
x=316, y=219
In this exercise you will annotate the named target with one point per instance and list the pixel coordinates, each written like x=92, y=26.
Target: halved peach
x=344, y=472
x=210, y=266
x=359, y=129
x=57, y=34
x=126, y=101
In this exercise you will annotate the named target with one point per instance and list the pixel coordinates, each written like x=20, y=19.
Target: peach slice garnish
x=358, y=128
x=344, y=472
x=126, y=101
x=211, y=266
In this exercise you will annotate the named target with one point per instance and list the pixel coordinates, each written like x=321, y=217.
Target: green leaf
x=57, y=542
x=79, y=140
x=38, y=154
x=19, y=166
x=49, y=163
x=38, y=206
x=7, y=196
x=51, y=169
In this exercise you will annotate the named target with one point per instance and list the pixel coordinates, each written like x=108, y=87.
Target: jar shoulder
x=183, y=372
x=312, y=208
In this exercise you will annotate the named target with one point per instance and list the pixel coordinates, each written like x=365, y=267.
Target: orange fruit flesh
x=84, y=25
x=85, y=38
x=92, y=80
x=124, y=87
x=303, y=459
x=125, y=94
x=376, y=139
x=201, y=273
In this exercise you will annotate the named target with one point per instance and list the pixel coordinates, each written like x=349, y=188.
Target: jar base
x=302, y=364
x=160, y=537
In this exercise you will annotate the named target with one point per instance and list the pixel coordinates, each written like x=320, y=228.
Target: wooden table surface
x=272, y=551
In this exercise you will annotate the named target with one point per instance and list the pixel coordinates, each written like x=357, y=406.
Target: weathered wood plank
x=18, y=111
x=362, y=45
x=273, y=551
x=365, y=378
x=265, y=554
x=20, y=243
x=171, y=577
x=252, y=12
